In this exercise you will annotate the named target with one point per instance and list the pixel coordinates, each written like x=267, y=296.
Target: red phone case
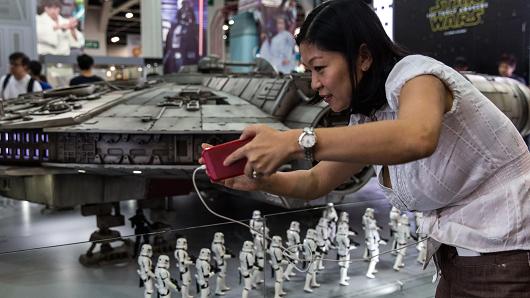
x=214, y=157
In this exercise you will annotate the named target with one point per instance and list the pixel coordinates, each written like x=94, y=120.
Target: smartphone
x=214, y=157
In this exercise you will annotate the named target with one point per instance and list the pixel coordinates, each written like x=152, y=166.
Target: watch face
x=308, y=141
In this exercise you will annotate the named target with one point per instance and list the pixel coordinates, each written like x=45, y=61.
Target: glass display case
x=70, y=270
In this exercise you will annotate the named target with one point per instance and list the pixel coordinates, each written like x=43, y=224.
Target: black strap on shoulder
x=4, y=85
x=6, y=80
x=29, y=88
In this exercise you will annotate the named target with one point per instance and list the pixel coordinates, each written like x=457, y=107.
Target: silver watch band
x=309, y=152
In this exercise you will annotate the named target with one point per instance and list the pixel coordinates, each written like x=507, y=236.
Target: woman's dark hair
x=343, y=26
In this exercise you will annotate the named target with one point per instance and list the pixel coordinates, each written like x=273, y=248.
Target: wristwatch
x=307, y=141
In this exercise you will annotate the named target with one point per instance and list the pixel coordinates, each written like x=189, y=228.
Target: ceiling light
x=109, y=74
x=225, y=27
x=112, y=68
x=140, y=69
x=129, y=15
x=230, y=22
x=137, y=172
x=81, y=171
x=225, y=37
x=115, y=39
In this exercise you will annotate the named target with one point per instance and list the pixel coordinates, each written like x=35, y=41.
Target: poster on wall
x=475, y=31
x=277, y=21
x=60, y=26
x=184, y=24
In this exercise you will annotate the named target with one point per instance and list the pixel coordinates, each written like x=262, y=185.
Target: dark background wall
x=480, y=36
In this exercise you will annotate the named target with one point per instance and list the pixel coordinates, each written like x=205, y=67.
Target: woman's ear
x=365, y=57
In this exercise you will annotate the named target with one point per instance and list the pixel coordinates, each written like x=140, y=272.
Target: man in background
x=35, y=71
x=17, y=81
x=85, y=63
x=507, y=65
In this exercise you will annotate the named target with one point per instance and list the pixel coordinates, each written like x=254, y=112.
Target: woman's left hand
x=268, y=150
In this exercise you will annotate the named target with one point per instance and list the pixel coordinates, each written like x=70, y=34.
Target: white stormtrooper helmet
x=311, y=234
x=147, y=250
x=370, y=212
x=163, y=262
x=182, y=243
x=329, y=208
x=248, y=246
x=404, y=219
x=295, y=226
x=343, y=228
x=276, y=241
x=344, y=216
x=323, y=222
x=219, y=237
x=205, y=254
x=256, y=214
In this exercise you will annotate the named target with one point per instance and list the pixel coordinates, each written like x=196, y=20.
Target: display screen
x=478, y=30
x=184, y=24
x=277, y=26
x=60, y=26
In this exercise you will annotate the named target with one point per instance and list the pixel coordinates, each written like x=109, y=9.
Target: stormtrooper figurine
x=255, y=223
x=203, y=272
x=164, y=282
x=322, y=239
x=219, y=256
x=260, y=244
x=276, y=254
x=145, y=270
x=372, y=244
x=422, y=251
x=403, y=235
x=246, y=266
x=393, y=223
x=313, y=256
x=183, y=263
x=293, y=246
x=367, y=218
x=330, y=214
x=344, y=247
x=422, y=244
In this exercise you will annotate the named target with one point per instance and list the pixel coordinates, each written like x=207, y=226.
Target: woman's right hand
x=242, y=182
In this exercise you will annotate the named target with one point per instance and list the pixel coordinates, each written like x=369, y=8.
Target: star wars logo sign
x=456, y=15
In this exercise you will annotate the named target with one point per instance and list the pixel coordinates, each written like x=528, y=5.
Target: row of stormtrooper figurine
x=332, y=232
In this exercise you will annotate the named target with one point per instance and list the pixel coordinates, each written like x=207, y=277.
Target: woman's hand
x=268, y=150
x=242, y=182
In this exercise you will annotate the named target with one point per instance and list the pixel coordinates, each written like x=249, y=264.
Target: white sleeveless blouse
x=475, y=189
